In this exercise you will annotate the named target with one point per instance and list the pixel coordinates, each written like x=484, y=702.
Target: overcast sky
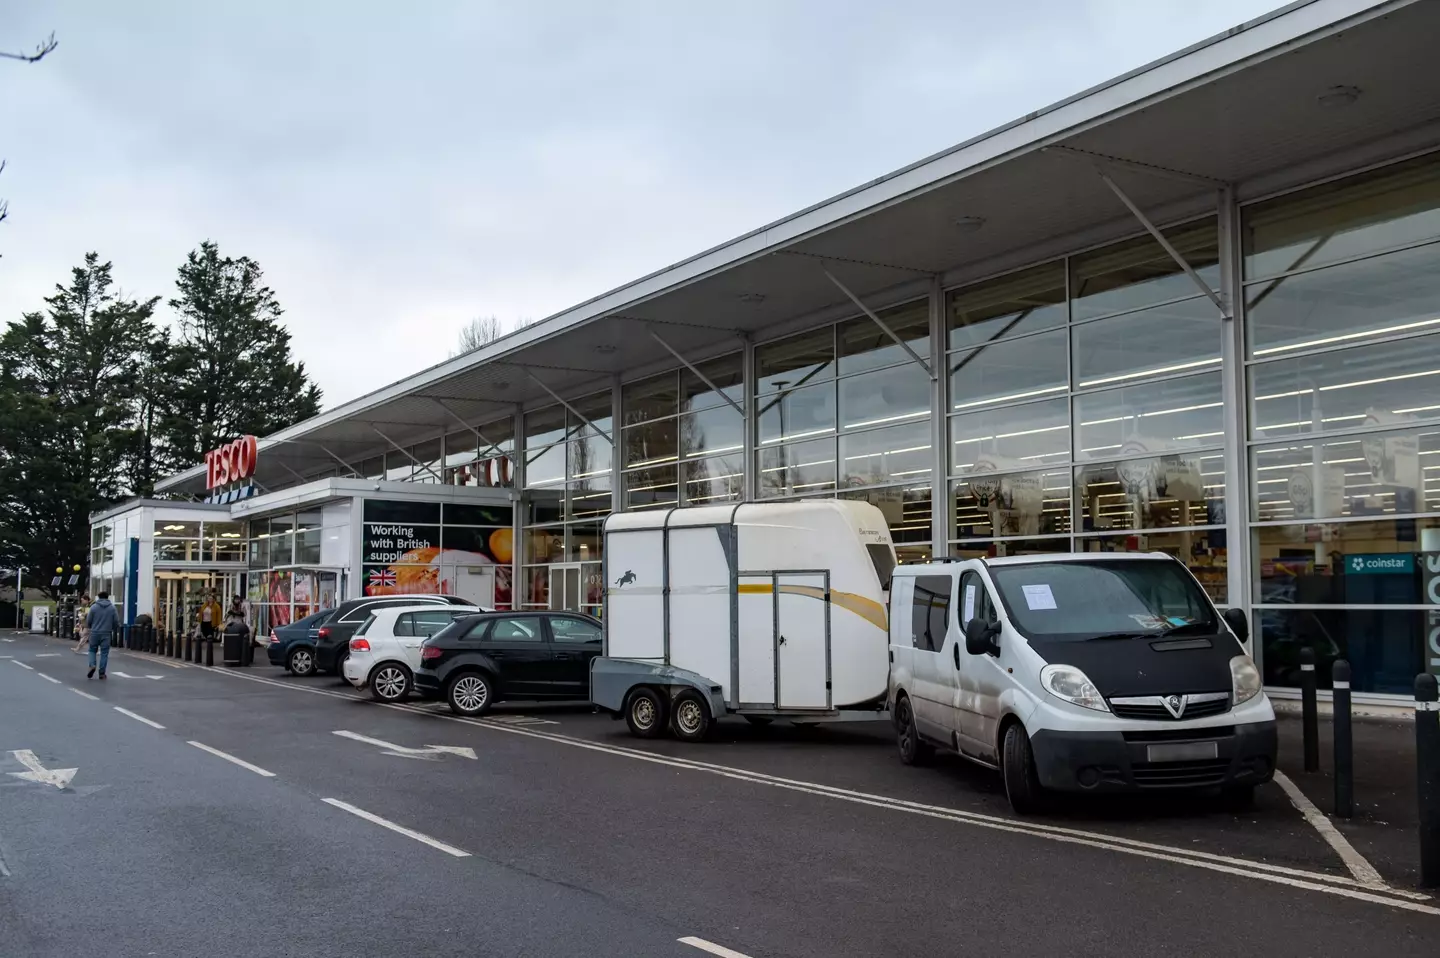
x=399, y=168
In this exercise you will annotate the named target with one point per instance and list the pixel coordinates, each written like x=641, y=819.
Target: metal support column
x=518, y=502
x=1237, y=465
x=698, y=374
x=750, y=483
x=492, y=447
x=575, y=412
x=617, y=451
x=942, y=512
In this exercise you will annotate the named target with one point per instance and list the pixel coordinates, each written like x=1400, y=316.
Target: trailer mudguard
x=612, y=679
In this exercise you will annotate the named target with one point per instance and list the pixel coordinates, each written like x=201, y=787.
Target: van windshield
x=1102, y=600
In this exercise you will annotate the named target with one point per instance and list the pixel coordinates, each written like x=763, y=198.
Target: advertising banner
x=408, y=559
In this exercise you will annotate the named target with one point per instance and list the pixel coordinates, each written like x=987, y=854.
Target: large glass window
x=1024, y=302
x=1140, y=273
x=1343, y=378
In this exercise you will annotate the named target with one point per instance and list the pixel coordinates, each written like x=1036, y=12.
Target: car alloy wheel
x=302, y=663
x=389, y=683
x=470, y=694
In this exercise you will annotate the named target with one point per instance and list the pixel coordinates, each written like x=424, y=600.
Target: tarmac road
x=576, y=842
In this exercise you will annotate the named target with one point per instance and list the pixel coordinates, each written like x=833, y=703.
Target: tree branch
x=41, y=51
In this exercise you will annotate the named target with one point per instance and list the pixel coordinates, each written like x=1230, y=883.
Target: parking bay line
x=23, y=665
x=399, y=829
x=232, y=759
x=93, y=698
x=1363, y=871
x=138, y=718
x=711, y=947
x=49, y=678
x=1344, y=886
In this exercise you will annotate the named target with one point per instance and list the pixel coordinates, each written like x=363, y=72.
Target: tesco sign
x=231, y=462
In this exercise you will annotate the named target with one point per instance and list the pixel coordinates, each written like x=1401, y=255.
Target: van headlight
x=1244, y=679
x=1069, y=683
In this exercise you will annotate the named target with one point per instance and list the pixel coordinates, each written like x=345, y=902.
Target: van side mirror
x=980, y=637
x=1239, y=624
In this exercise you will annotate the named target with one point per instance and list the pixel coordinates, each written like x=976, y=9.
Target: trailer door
x=802, y=639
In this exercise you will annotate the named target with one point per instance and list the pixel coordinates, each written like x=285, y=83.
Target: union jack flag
x=382, y=577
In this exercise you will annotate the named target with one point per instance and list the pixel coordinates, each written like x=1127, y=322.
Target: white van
x=1081, y=673
x=764, y=610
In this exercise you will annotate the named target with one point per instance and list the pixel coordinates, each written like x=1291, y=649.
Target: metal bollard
x=1344, y=741
x=189, y=647
x=1310, y=716
x=210, y=652
x=1427, y=764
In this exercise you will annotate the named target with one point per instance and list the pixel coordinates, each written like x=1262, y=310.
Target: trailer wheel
x=691, y=717
x=645, y=713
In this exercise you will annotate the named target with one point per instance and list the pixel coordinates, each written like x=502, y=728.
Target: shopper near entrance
x=102, y=621
x=235, y=619
x=209, y=614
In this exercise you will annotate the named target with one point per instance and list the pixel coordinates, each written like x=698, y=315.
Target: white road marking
x=46, y=655
x=400, y=829
x=93, y=698
x=1340, y=885
x=48, y=678
x=1363, y=871
x=403, y=750
x=36, y=772
x=122, y=675
x=230, y=758
x=23, y=665
x=711, y=947
x=138, y=718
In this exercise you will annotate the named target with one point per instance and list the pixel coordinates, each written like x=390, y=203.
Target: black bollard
x=1427, y=764
x=189, y=647
x=210, y=652
x=165, y=645
x=1310, y=716
x=1344, y=741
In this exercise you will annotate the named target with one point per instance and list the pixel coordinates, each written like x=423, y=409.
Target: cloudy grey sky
x=399, y=168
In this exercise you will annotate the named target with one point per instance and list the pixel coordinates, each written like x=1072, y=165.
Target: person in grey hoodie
x=103, y=621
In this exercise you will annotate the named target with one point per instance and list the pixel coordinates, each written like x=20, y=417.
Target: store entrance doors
x=566, y=594
x=179, y=595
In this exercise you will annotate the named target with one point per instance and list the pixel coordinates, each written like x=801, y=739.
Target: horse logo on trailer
x=627, y=579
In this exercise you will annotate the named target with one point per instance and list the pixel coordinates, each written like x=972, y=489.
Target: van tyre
x=390, y=682
x=907, y=738
x=646, y=713
x=301, y=662
x=1022, y=785
x=690, y=717
x=470, y=693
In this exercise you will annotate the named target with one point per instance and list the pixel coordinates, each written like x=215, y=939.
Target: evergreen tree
x=228, y=371
x=67, y=390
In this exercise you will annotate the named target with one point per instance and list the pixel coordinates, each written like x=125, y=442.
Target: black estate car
x=488, y=657
x=332, y=642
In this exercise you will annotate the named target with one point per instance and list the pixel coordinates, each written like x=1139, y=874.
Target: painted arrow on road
x=59, y=777
x=429, y=751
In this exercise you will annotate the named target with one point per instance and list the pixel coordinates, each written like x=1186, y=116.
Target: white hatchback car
x=385, y=650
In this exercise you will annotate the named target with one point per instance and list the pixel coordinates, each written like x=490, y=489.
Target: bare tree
x=480, y=331
x=41, y=51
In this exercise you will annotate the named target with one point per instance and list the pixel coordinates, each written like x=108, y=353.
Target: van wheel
x=1022, y=785
x=645, y=713
x=690, y=717
x=912, y=750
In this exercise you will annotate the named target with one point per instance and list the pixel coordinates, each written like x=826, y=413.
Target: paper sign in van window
x=969, y=608
x=1039, y=597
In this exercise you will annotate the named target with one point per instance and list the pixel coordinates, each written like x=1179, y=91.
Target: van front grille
x=1152, y=707
x=1180, y=774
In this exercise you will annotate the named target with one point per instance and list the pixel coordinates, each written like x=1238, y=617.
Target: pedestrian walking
x=82, y=609
x=102, y=621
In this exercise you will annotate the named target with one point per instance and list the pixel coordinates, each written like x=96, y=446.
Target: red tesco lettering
x=231, y=462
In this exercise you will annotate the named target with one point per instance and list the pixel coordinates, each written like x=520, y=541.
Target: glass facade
x=1342, y=306
x=1086, y=407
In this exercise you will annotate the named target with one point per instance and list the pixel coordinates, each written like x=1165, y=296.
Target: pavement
x=220, y=813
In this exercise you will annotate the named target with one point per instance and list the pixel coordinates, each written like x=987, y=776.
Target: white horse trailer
x=761, y=609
